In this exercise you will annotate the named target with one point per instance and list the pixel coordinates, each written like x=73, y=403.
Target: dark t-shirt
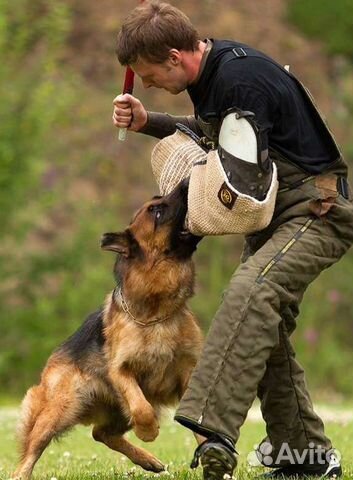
x=290, y=123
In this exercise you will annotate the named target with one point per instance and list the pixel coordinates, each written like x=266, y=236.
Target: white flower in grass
x=94, y=457
x=53, y=478
x=66, y=454
x=131, y=471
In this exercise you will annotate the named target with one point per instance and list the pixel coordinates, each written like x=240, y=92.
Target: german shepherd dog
x=133, y=356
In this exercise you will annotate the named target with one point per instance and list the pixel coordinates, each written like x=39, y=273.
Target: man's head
x=161, y=45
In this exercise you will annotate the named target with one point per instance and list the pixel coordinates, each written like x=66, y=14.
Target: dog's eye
x=156, y=209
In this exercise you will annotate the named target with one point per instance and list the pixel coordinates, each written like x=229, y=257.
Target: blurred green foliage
x=33, y=93
x=62, y=186
x=324, y=335
x=331, y=22
x=34, y=96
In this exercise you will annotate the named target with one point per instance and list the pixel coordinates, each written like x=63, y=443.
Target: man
x=248, y=352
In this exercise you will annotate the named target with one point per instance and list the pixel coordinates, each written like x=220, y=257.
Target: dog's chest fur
x=154, y=354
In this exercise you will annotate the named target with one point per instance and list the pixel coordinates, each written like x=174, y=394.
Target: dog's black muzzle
x=181, y=239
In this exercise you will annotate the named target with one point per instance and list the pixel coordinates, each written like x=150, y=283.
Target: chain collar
x=118, y=297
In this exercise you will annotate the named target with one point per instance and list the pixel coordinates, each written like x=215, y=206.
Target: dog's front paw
x=152, y=464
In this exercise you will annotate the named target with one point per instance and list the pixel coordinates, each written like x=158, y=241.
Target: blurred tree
x=331, y=22
x=33, y=94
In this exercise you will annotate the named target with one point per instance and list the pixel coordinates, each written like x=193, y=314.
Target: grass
x=77, y=456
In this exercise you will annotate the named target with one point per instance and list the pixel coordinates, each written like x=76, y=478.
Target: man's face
x=169, y=75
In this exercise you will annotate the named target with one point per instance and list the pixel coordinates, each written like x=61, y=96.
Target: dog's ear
x=123, y=243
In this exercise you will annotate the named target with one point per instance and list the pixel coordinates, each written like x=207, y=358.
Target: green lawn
x=77, y=456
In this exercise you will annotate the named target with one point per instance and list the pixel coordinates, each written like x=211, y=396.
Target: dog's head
x=157, y=229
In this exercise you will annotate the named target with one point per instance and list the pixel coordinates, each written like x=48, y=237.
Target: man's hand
x=129, y=113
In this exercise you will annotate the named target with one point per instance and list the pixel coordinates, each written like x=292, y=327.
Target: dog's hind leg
x=137, y=455
x=42, y=420
x=31, y=408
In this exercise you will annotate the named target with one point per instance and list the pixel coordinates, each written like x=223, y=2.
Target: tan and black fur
x=114, y=373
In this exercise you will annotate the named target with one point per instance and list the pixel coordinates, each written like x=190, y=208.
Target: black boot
x=218, y=458
x=328, y=470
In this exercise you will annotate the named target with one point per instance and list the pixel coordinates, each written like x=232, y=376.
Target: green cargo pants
x=248, y=352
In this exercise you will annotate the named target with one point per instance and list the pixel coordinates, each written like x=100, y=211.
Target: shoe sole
x=217, y=463
x=335, y=472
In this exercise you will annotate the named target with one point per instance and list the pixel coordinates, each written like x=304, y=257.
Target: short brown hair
x=151, y=30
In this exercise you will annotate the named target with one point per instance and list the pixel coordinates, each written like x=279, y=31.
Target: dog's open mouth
x=184, y=232
x=186, y=237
